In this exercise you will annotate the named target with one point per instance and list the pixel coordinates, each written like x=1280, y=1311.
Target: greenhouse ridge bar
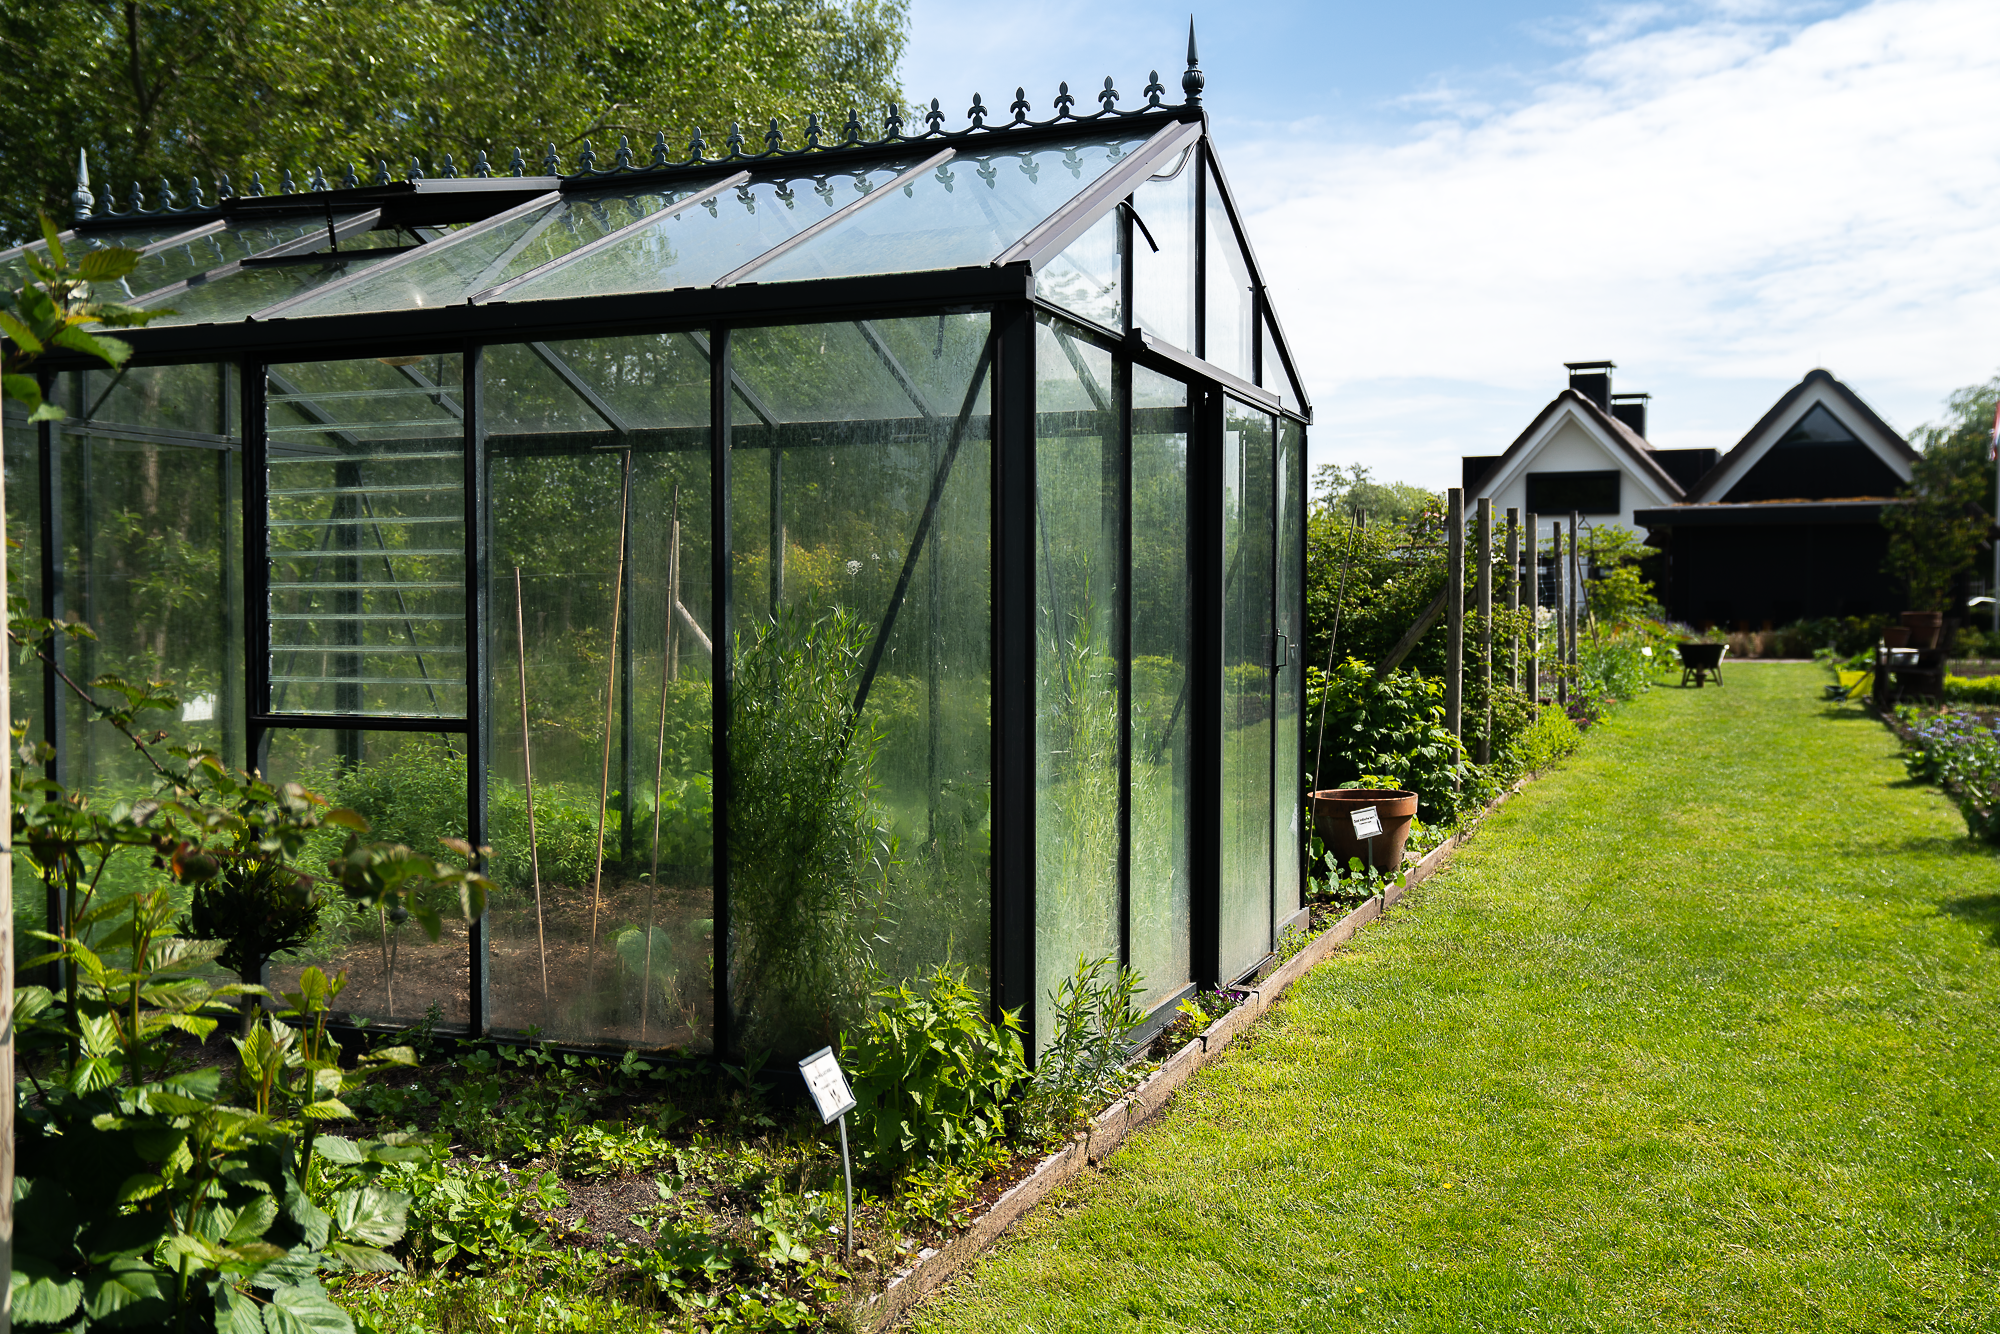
x=802, y=569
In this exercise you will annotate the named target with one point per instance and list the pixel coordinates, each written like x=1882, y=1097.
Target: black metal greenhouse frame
x=1005, y=288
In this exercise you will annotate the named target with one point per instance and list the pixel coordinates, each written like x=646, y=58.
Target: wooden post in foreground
x=1483, y=535
x=1531, y=525
x=1454, y=594
x=1514, y=596
x=1562, y=616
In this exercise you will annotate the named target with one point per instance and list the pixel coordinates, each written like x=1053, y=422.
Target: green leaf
x=22, y=389
x=337, y=1150
x=53, y=240
x=365, y=1259
x=40, y=1293
x=111, y=351
x=236, y=1313
x=254, y=1221
x=107, y=264
x=305, y=1311
x=371, y=1215
x=23, y=337
x=127, y=1291
x=314, y=1222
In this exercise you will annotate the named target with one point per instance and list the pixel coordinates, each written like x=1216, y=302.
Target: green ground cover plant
x=1699, y=1033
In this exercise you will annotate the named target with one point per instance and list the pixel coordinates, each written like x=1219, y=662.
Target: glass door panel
x=1287, y=745
x=1248, y=692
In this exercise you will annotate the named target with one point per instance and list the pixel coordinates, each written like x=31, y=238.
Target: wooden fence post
x=1562, y=616
x=1454, y=594
x=1514, y=596
x=1531, y=572
x=1483, y=529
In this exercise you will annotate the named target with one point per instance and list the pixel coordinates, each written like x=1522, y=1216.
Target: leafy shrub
x=1553, y=735
x=1983, y=690
x=931, y=1074
x=1391, y=726
x=1961, y=753
x=1083, y=1065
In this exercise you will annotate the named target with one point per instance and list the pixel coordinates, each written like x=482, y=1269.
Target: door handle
x=1281, y=651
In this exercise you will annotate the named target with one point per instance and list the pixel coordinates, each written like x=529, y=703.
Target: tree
x=1936, y=538
x=1344, y=490
x=179, y=90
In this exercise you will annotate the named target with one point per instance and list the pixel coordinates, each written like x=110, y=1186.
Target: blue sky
x=1451, y=200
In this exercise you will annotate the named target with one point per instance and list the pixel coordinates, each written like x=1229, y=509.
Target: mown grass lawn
x=1701, y=1032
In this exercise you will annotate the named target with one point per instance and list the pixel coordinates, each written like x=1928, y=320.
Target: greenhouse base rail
x=936, y=1266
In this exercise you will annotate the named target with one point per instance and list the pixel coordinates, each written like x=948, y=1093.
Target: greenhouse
x=800, y=567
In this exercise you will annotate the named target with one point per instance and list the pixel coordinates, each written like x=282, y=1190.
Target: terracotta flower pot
x=1895, y=636
x=1924, y=627
x=1333, y=816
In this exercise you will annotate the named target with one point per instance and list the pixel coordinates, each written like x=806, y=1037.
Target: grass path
x=1702, y=1032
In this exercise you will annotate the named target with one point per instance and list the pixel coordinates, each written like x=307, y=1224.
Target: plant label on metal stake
x=1367, y=822
x=834, y=1099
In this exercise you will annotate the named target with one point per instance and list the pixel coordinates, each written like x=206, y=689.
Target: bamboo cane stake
x=528, y=782
x=660, y=756
x=610, y=686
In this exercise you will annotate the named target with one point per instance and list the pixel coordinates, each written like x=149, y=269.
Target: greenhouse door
x=1251, y=648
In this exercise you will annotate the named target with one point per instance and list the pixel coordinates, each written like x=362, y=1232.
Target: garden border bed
x=937, y=1265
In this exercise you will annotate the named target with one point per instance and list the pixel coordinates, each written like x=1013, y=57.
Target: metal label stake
x=1367, y=824
x=830, y=1093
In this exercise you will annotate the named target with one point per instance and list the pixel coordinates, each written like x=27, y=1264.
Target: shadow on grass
x=1980, y=910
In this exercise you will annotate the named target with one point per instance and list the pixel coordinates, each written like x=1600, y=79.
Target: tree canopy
x=1935, y=540
x=1344, y=490
x=182, y=89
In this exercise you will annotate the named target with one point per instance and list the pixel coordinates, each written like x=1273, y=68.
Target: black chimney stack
x=1631, y=409
x=1592, y=379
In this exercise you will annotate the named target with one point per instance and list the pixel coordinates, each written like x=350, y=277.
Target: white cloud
x=1720, y=204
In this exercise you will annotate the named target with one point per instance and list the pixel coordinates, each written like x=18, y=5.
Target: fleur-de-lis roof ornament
x=586, y=161
x=623, y=162
x=285, y=185
x=851, y=132
x=256, y=190
x=774, y=138
x=416, y=170
x=551, y=163
x=1020, y=106
x=735, y=140
x=519, y=165
x=977, y=112
x=892, y=122
x=318, y=182
x=381, y=172
x=1109, y=97
x=935, y=115
x=1155, y=90
x=659, y=148
x=348, y=180
x=223, y=189
x=481, y=168
x=812, y=130
x=1064, y=102
x=696, y=148
x=194, y=193
x=449, y=171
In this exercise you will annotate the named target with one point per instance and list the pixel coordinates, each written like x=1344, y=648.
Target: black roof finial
x=83, y=200
x=1193, y=80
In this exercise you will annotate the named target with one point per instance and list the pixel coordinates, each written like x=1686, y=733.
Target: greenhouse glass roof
x=990, y=204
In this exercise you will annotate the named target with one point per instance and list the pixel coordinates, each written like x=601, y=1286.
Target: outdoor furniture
x=1701, y=661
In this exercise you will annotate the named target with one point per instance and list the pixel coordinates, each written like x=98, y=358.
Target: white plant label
x=827, y=1085
x=1367, y=824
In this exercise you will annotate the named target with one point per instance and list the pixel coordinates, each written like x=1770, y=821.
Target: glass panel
x=1232, y=319
x=233, y=242
x=1287, y=743
x=1247, y=692
x=244, y=292
x=411, y=788
x=14, y=270
x=1275, y=377
x=24, y=566
x=1084, y=277
x=1162, y=888
x=151, y=561
x=447, y=272
x=1163, y=279
x=965, y=212
x=834, y=372
x=1079, y=484
x=697, y=245
x=600, y=690
x=859, y=845
x=367, y=537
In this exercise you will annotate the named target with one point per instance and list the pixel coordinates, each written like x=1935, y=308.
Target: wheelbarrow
x=1701, y=661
